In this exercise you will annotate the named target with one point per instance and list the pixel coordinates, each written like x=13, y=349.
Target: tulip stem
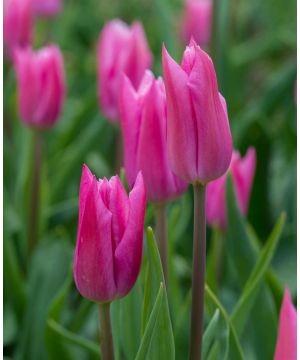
x=106, y=339
x=33, y=225
x=198, y=277
x=161, y=233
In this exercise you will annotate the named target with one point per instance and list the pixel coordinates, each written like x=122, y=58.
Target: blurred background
x=253, y=46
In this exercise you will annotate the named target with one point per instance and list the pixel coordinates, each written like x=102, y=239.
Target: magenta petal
x=181, y=130
x=93, y=266
x=243, y=171
x=128, y=255
x=286, y=347
x=161, y=183
x=215, y=202
x=130, y=121
x=212, y=125
x=119, y=206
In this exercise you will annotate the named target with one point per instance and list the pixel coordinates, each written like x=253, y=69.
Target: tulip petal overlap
x=110, y=237
x=144, y=125
x=199, y=138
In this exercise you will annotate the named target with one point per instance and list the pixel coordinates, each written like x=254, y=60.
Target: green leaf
x=91, y=348
x=248, y=297
x=162, y=344
x=233, y=348
x=151, y=327
x=237, y=242
x=210, y=333
x=48, y=271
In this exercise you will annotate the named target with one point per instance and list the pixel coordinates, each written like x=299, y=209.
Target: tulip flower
x=121, y=49
x=110, y=237
x=41, y=85
x=242, y=171
x=17, y=24
x=199, y=138
x=286, y=347
x=144, y=125
x=200, y=149
x=197, y=21
x=46, y=8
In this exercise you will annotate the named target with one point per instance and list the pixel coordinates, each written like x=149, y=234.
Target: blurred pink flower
x=199, y=138
x=17, y=24
x=109, y=244
x=41, y=85
x=144, y=125
x=242, y=171
x=46, y=8
x=197, y=21
x=121, y=49
x=286, y=347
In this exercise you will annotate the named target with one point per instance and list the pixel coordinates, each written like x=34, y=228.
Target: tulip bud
x=46, y=8
x=121, y=49
x=199, y=138
x=41, y=85
x=197, y=21
x=242, y=171
x=17, y=24
x=110, y=237
x=144, y=126
x=286, y=347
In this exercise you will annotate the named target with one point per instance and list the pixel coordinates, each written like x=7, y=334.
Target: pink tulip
x=110, y=237
x=242, y=171
x=197, y=21
x=199, y=138
x=144, y=125
x=46, y=8
x=17, y=24
x=121, y=49
x=286, y=347
x=41, y=85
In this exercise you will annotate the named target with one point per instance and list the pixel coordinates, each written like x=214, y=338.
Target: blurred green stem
x=161, y=234
x=119, y=151
x=106, y=339
x=198, y=277
x=33, y=225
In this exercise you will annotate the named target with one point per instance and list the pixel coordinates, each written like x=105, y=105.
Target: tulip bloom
x=144, y=125
x=197, y=21
x=41, y=85
x=199, y=138
x=286, y=347
x=121, y=49
x=46, y=8
x=242, y=171
x=17, y=24
x=110, y=237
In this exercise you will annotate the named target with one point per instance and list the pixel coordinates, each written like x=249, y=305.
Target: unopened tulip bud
x=109, y=244
x=121, y=49
x=41, y=85
x=242, y=171
x=46, y=8
x=17, y=24
x=144, y=125
x=199, y=138
x=197, y=21
x=286, y=347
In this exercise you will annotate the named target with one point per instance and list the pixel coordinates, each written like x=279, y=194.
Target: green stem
x=106, y=339
x=198, y=277
x=119, y=151
x=33, y=226
x=161, y=234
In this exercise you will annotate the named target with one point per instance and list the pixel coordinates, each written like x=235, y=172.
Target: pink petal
x=128, y=255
